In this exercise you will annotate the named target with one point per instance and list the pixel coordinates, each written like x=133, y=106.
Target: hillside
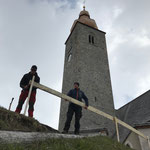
x=14, y=122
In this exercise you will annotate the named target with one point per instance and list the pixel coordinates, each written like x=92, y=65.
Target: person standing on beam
x=77, y=94
x=24, y=84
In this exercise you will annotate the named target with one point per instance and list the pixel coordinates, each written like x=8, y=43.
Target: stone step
x=26, y=137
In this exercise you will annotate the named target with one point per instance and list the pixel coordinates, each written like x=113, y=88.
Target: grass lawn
x=93, y=143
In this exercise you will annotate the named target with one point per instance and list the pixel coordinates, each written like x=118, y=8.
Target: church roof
x=84, y=17
x=143, y=125
x=136, y=112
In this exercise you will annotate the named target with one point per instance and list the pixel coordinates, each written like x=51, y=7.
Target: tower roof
x=84, y=17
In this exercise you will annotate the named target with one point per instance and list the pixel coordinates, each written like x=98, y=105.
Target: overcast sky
x=34, y=32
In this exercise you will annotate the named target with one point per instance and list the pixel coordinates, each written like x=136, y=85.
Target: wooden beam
x=117, y=129
x=63, y=96
x=131, y=128
x=29, y=94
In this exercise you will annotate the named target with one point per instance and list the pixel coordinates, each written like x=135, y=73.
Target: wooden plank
x=99, y=112
x=131, y=128
x=117, y=130
x=29, y=94
x=63, y=96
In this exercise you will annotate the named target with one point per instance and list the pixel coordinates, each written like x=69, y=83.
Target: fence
x=99, y=112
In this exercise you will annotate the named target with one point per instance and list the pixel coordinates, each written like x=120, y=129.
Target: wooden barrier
x=115, y=119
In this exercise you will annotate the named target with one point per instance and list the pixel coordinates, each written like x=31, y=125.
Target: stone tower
x=86, y=62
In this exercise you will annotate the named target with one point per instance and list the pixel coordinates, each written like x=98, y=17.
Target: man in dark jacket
x=77, y=94
x=24, y=84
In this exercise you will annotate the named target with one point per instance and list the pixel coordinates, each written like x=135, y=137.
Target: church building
x=86, y=62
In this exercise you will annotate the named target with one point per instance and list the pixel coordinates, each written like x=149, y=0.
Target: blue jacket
x=73, y=93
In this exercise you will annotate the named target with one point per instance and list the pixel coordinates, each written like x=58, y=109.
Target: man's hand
x=85, y=107
x=26, y=87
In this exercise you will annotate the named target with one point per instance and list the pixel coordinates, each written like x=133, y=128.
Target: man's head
x=76, y=85
x=33, y=69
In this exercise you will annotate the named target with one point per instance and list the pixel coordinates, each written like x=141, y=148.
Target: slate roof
x=136, y=112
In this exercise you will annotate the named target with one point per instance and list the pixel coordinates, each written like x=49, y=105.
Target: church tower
x=86, y=62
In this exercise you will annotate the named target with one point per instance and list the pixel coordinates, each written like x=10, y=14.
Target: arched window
x=69, y=57
x=128, y=144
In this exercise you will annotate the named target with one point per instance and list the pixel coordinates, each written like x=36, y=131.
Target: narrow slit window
x=89, y=38
x=92, y=39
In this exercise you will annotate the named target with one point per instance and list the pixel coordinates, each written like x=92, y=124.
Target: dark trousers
x=22, y=98
x=78, y=114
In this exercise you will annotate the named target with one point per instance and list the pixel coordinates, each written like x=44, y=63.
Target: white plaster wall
x=143, y=142
x=133, y=141
x=137, y=142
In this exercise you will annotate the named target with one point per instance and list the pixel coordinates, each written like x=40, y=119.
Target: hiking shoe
x=64, y=132
x=76, y=133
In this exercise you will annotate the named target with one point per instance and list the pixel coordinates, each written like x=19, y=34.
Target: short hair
x=76, y=83
x=34, y=67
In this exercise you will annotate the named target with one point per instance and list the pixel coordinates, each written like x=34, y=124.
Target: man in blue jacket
x=77, y=94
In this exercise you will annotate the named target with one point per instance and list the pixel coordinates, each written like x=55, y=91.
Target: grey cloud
x=34, y=32
x=127, y=26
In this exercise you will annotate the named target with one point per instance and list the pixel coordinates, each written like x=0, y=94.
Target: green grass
x=15, y=122
x=94, y=143
x=12, y=121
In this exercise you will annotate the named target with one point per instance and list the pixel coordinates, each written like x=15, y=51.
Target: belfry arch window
x=91, y=39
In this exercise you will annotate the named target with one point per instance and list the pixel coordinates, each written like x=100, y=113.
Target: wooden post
x=11, y=103
x=29, y=94
x=131, y=128
x=148, y=142
x=117, y=129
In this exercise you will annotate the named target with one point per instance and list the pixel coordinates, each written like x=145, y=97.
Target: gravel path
x=18, y=137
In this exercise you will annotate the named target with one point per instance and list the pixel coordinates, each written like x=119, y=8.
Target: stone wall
x=89, y=66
